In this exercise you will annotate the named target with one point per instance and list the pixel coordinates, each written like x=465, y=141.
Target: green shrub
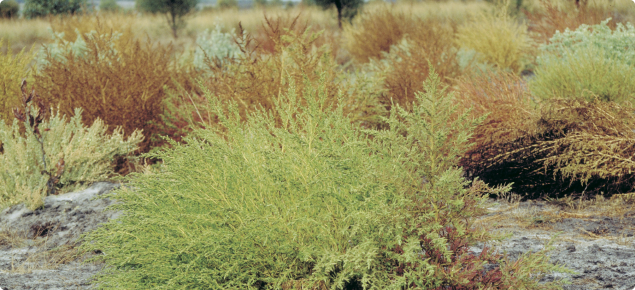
x=109, y=6
x=590, y=61
x=13, y=68
x=9, y=9
x=307, y=202
x=584, y=73
x=86, y=155
x=617, y=44
x=39, y=8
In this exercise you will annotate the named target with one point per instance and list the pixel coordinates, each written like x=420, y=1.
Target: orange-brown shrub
x=407, y=65
x=375, y=31
x=122, y=87
x=552, y=19
x=507, y=100
x=267, y=35
x=570, y=146
x=257, y=77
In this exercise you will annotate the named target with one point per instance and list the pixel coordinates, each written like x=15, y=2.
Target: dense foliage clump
x=43, y=151
x=300, y=198
x=40, y=8
x=559, y=16
x=497, y=39
x=111, y=81
x=13, y=69
x=569, y=146
x=592, y=61
x=9, y=9
x=407, y=65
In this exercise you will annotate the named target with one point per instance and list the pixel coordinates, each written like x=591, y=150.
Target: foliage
x=572, y=146
x=408, y=63
x=109, y=6
x=9, y=9
x=498, y=39
x=256, y=77
x=586, y=73
x=68, y=36
x=511, y=114
x=174, y=10
x=39, y=8
x=55, y=154
x=546, y=23
x=227, y=4
x=69, y=28
x=615, y=42
x=123, y=87
x=213, y=45
x=267, y=35
x=504, y=98
x=346, y=9
x=13, y=68
x=375, y=31
x=308, y=201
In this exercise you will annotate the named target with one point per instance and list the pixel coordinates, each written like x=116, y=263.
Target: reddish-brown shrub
x=257, y=78
x=122, y=87
x=407, y=66
x=267, y=35
x=545, y=24
x=375, y=31
x=507, y=100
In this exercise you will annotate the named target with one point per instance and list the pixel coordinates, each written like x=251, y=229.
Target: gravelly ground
x=601, y=249
x=51, y=230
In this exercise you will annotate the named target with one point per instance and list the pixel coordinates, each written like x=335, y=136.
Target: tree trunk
x=173, y=24
x=338, y=5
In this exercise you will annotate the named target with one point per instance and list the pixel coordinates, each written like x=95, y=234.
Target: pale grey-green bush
x=215, y=44
x=592, y=61
x=88, y=153
x=60, y=47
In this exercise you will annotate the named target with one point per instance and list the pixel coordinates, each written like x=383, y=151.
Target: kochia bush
x=592, y=61
x=303, y=199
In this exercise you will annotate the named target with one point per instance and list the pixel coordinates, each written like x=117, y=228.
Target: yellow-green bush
x=87, y=153
x=13, y=68
x=586, y=73
x=497, y=39
x=308, y=201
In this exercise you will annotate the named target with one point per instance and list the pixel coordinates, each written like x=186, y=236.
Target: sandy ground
x=37, y=247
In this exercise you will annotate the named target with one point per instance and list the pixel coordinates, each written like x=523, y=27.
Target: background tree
x=9, y=9
x=174, y=10
x=38, y=8
x=346, y=9
x=109, y=6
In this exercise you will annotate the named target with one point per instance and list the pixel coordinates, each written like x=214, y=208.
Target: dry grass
x=498, y=39
x=39, y=256
x=454, y=11
x=23, y=33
